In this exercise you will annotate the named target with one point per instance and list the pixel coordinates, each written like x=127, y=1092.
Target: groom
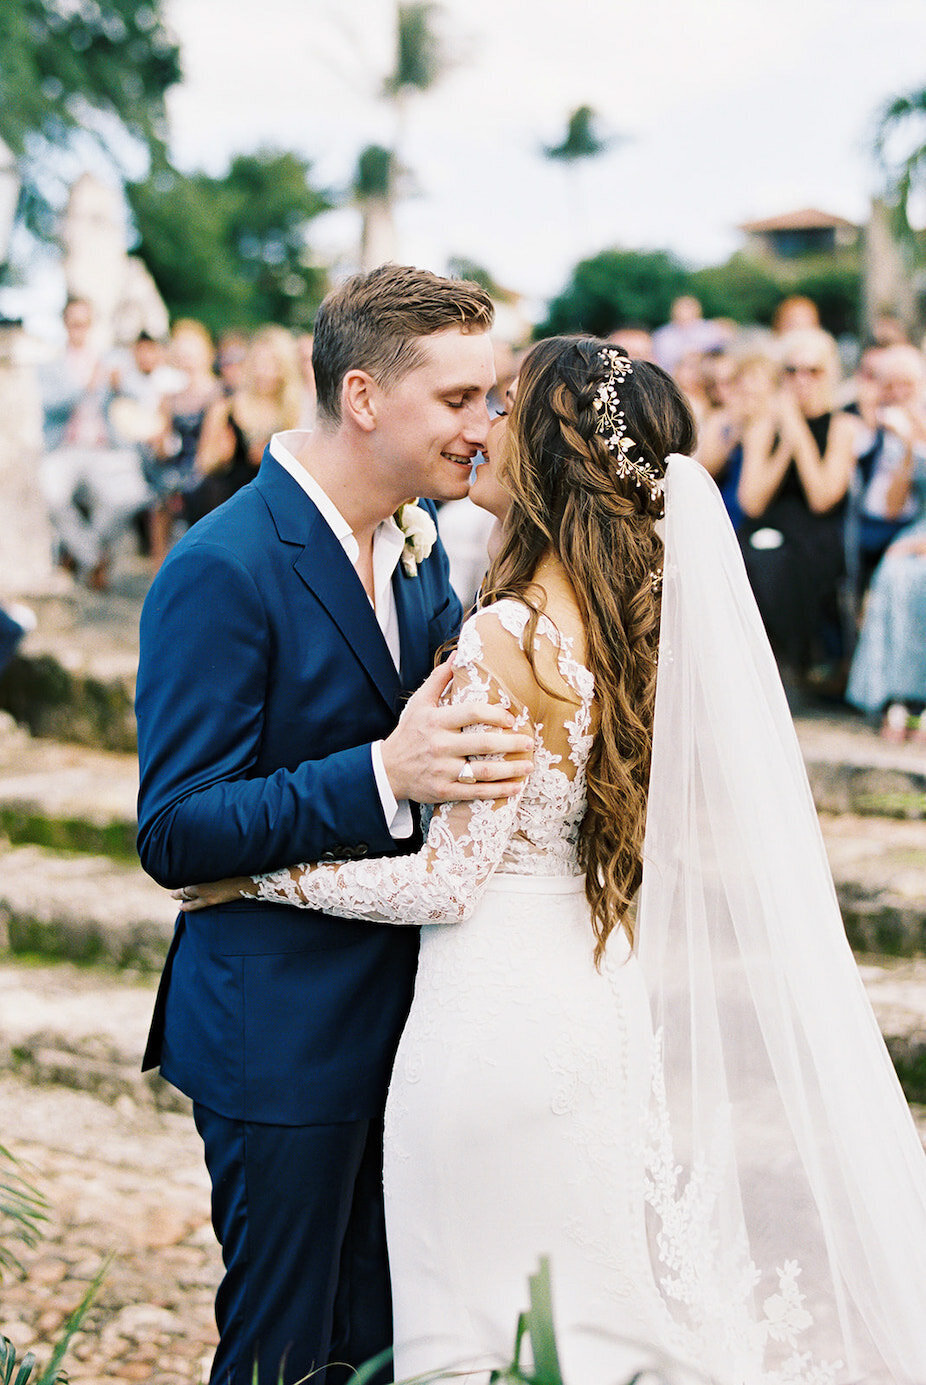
x=278, y=644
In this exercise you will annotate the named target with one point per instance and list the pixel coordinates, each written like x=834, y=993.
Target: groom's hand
x=426, y=752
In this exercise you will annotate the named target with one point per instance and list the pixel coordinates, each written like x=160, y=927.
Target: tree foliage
x=617, y=287
x=620, y=288
x=744, y=288
x=81, y=66
x=374, y=175
x=902, y=120
x=420, y=59
x=232, y=251
x=581, y=140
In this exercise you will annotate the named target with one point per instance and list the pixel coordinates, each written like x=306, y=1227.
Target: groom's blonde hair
x=371, y=321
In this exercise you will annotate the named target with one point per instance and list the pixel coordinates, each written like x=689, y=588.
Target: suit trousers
x=298, y=1212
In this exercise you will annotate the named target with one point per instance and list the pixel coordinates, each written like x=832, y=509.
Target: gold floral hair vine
x=612, y=426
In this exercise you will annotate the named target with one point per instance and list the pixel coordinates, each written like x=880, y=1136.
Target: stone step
x=85, y=908
x=853, y=770
x=73, y=677
x=897, y=991
x=85, y=1028
x=66, y=796
x=69, y=904
x=73, y=802
x=879, y=868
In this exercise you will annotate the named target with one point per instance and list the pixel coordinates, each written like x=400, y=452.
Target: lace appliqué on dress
x=534, y=832
x=716, y=1292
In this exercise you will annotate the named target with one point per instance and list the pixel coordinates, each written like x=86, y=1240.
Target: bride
x=638, y=1044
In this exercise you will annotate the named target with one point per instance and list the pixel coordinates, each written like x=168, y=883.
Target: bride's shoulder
x=507, y=617
x=494, y=634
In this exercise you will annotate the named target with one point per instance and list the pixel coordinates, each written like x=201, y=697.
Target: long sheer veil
x=786, y=1183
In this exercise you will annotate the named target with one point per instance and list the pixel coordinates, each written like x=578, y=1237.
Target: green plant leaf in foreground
x=22, y=1209
x=540, y=1328
x=8, y=1364
x=53, y=1372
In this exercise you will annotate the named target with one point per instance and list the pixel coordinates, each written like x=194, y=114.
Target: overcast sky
x=721, y=111
x=729, y=109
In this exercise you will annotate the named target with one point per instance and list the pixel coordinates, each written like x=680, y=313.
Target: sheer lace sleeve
x=466, y=841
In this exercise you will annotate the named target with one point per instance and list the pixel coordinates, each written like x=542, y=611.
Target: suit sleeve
x=205, y=655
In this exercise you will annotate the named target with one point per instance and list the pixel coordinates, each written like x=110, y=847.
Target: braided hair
x=569, y=498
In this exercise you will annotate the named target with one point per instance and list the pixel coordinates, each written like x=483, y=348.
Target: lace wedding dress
x=515, y=1118
x=706, y=1136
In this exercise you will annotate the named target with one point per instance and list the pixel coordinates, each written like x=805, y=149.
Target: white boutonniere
x=420, y=536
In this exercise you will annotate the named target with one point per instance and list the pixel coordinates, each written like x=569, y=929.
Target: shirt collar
x=283, y=447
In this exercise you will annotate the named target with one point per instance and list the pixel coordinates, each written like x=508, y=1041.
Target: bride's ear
x=358, y=399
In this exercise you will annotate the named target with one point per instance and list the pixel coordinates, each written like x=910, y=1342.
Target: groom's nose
x=476, y=423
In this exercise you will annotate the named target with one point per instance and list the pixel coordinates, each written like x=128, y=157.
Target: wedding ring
x=467, y=774
x=187, y=893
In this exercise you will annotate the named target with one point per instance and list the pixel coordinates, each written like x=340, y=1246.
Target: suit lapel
x=413, y=628
x=328, y=573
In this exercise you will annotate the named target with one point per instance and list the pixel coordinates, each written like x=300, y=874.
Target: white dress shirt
x=388, y=542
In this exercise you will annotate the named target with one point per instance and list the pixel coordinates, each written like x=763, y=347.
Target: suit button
x=361, y=849
x=328, y=856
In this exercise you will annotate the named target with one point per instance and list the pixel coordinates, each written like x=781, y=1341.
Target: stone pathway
x=124, y=1177
x=124, y=1181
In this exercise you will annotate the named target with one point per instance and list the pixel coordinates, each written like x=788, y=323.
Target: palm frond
x=902, y=114
x=22, y=1210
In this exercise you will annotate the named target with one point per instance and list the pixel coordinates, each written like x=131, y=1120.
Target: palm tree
x=903, y=117
x=580, y=140
x=374, y=188
x=580, y=144
x=381, y=177
x=419, y=60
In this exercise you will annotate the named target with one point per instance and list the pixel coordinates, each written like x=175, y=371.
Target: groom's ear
x=359, y=393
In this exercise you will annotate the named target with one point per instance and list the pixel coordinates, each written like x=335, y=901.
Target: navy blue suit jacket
x=263, y=678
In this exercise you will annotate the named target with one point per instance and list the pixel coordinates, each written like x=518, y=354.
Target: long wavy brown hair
x=568, y=499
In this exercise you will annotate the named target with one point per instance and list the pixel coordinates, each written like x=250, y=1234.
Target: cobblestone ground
x=125, y=1181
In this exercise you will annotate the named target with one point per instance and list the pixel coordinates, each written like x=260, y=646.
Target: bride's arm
x=465, y=843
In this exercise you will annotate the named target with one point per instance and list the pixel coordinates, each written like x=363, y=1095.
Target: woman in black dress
x=798, y=458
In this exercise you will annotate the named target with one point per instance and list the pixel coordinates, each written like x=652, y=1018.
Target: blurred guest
x=144, y=374
x=92, y=485
x=749, y=396
x=794, y=314
x=237, y=429
x=718, y=369
x=689, y=375
x=230, y=355
x=798, y=460
x=636, y=341
x=888, y=672
x=888, y=330
x=141, y=381
x=507, y=365
x=171, y=470
x=464, y=530
x=687, y=330
x=890, y=401
x=304, y=343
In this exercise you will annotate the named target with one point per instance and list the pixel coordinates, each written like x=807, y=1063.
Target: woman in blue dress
x=888, y=673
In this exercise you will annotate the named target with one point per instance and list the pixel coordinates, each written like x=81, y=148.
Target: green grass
x=113, y=839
